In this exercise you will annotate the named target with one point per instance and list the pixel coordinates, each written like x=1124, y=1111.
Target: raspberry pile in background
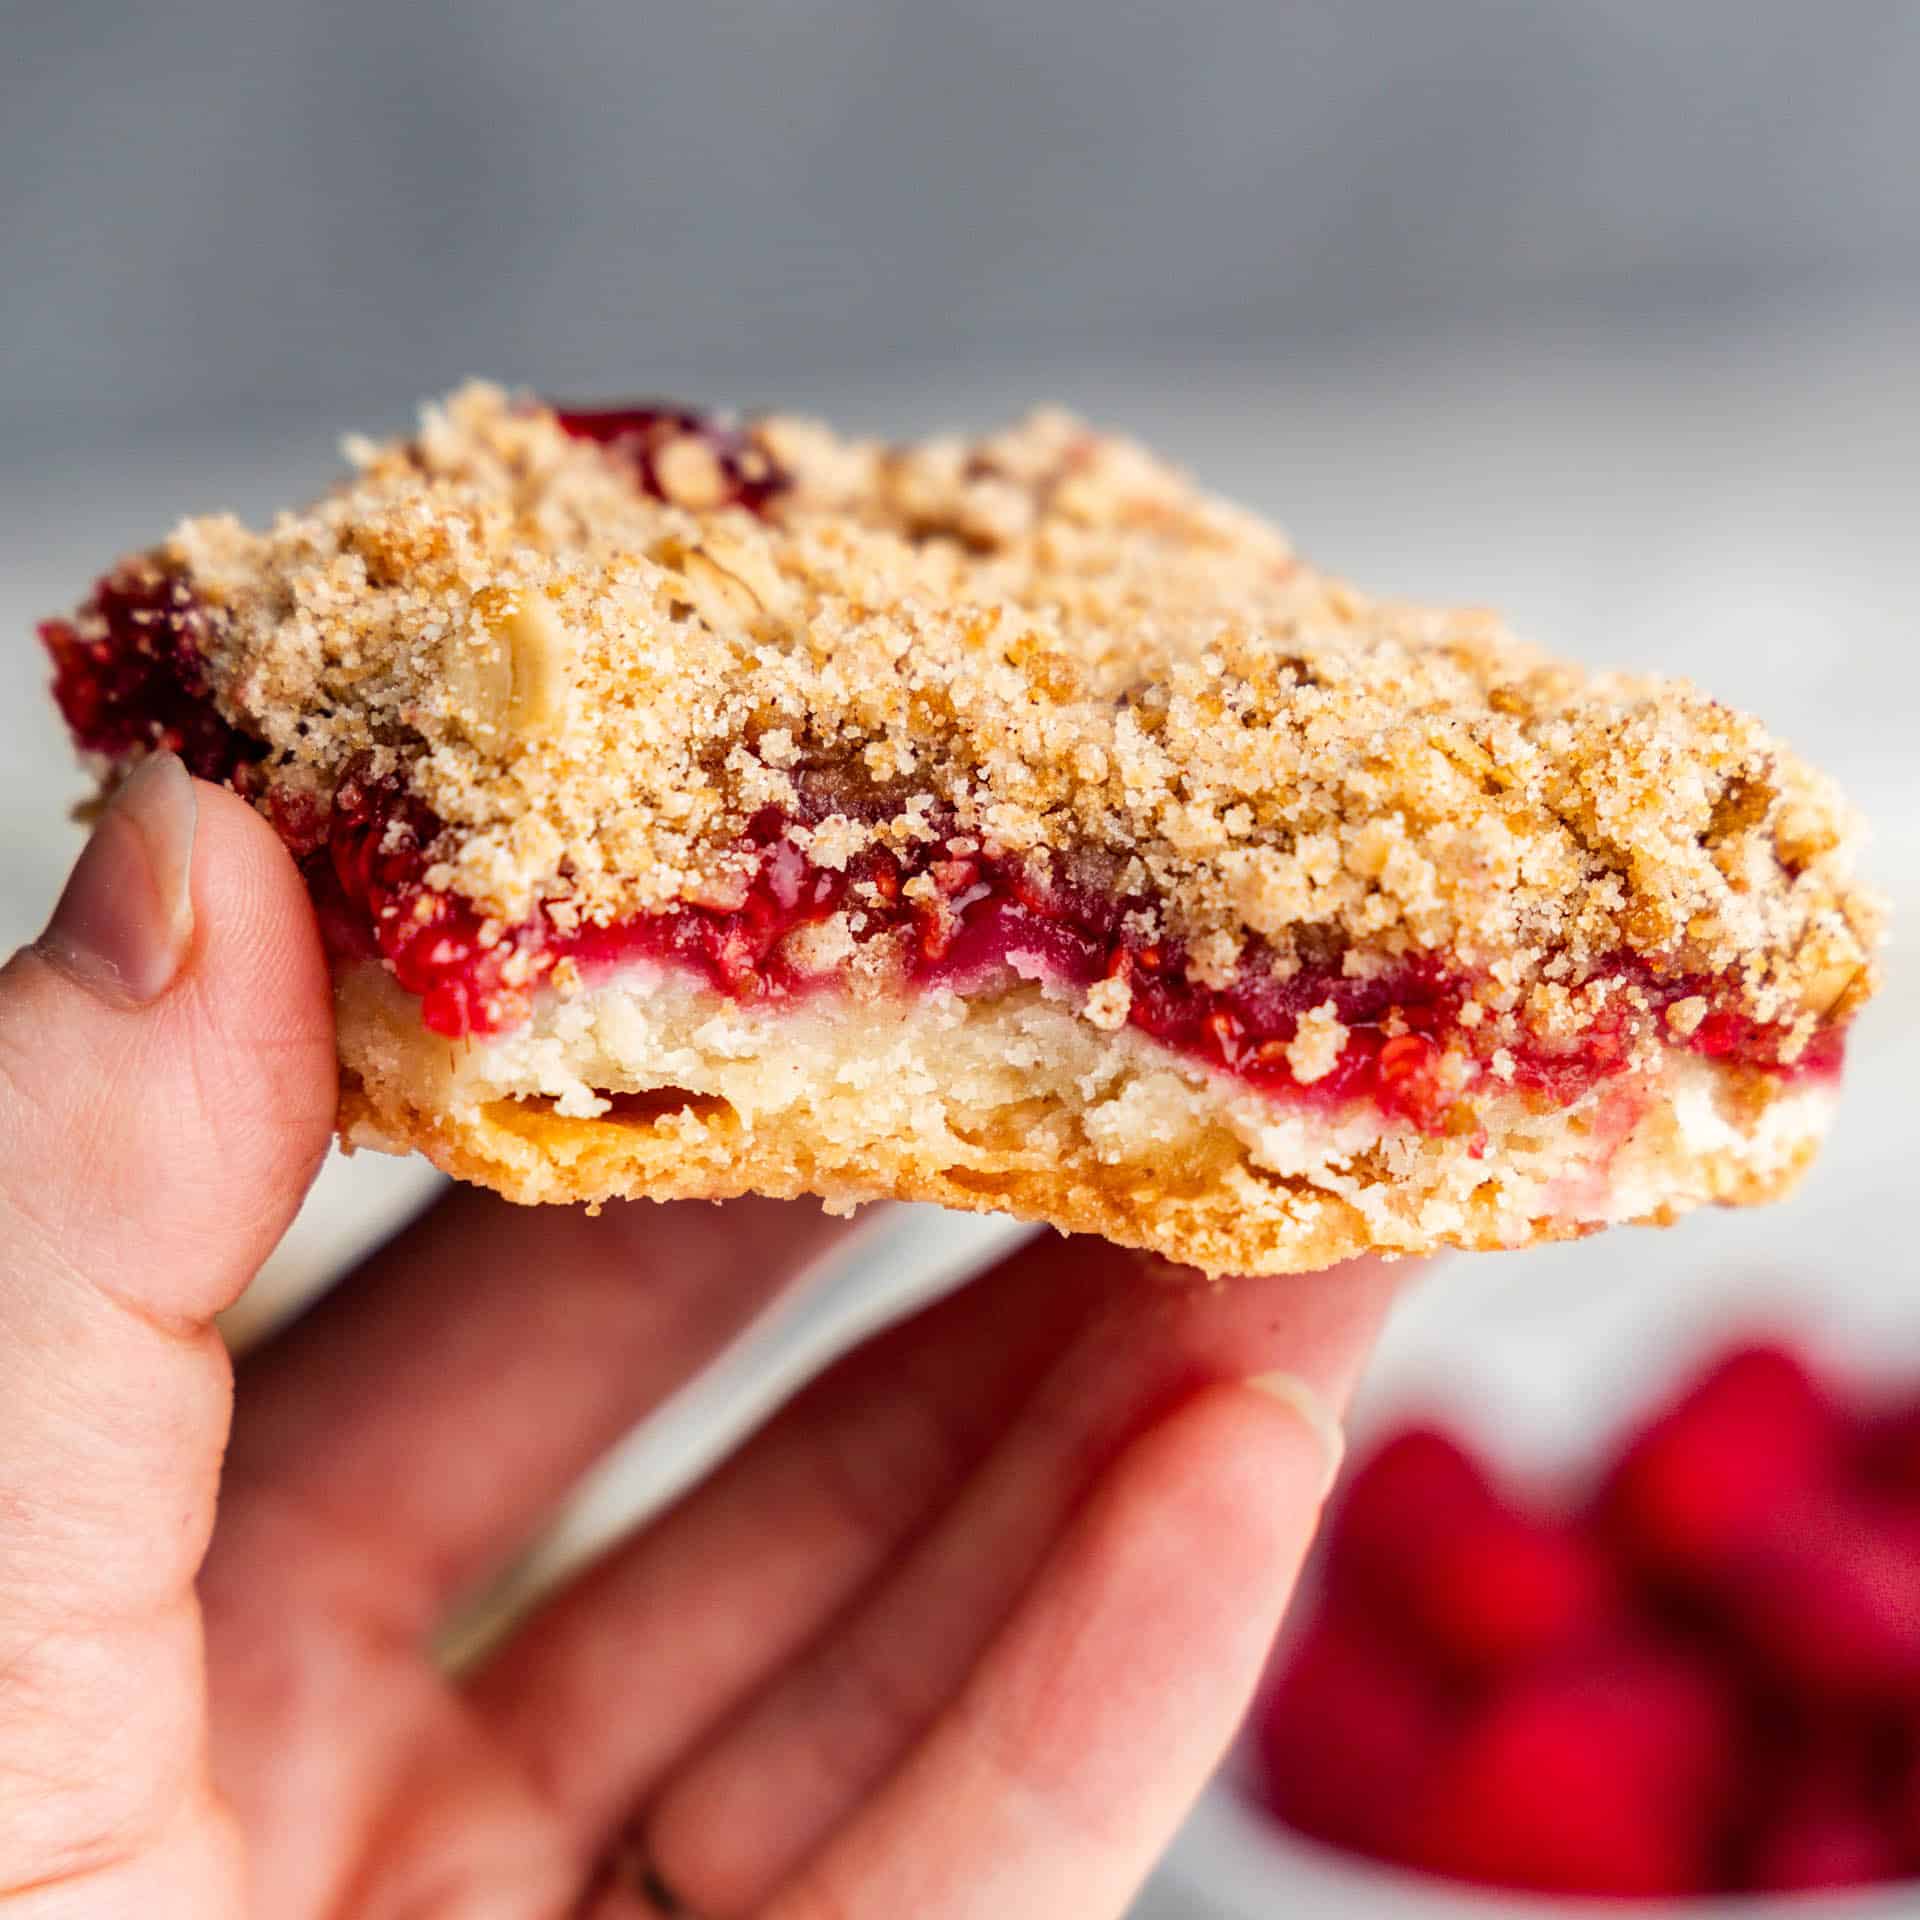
x=1701, y=1675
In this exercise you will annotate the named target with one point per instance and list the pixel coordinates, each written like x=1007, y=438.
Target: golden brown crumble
x=1046, y=635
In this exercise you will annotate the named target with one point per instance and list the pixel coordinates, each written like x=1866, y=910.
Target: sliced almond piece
x=720, y=597
x=689, y=473
x=1824, y=992
x=506, y=675
x=478, y=674
x=752, y=565
x=539, y=649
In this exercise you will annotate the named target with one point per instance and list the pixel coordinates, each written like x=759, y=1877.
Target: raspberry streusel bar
x=693, y=808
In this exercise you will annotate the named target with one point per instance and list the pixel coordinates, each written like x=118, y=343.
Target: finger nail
x=124, y=925
x=1314, y=1414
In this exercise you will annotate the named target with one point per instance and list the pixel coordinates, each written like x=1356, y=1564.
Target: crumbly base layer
x=652, y=1084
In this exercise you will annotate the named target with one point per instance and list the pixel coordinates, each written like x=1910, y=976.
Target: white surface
x=1742, y=512
x=1231, y=1864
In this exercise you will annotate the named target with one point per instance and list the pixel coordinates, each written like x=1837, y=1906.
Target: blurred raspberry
x=1607, y=1778
x=1889, y=1452
x=1710, y=1683
x=1402, y=1502
x=1831, y=1607
x=1752, y=1440
x=1903, y=1799
x=1822, y=1840
x=1345, y=1734
x=1504, y=1589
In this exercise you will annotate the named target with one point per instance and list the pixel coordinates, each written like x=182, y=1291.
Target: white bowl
x=1234, y=1862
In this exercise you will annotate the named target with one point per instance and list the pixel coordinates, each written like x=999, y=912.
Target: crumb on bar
x=1045, y=637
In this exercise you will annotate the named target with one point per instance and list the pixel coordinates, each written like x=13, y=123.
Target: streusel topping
x=1042, y=639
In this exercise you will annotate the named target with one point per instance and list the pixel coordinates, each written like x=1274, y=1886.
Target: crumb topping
x=1043, y=639
x=1317, y=1044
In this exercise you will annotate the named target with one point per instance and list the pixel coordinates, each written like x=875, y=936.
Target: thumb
x=166, y=1094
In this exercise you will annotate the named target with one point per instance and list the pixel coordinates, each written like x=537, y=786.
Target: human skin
x=959, y=1633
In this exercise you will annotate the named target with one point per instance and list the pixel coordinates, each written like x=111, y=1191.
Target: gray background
x=259, y=210
x=1606, y=313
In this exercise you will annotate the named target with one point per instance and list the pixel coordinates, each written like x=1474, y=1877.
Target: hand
x=959, y=1633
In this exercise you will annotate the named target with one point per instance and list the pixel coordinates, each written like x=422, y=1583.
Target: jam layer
x=129, y=677
x=972, y=921
x=731, y=468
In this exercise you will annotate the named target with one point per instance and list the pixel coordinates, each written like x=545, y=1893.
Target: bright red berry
x=1345, y=1734
x=1502, y=1588
x=1603, y=1779
x=1751, y=1441
x=1831, y=1608
x=1401, y=1503
x=1822, y=1840
x=1888, y=1452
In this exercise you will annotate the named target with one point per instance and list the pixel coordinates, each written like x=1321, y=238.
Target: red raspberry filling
x=642, y=432
x=1641, y=1687
x=967, y=917
x=129, y=676
x=983, y=917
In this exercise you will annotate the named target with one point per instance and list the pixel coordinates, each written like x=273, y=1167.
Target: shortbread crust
x=656, y=1084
